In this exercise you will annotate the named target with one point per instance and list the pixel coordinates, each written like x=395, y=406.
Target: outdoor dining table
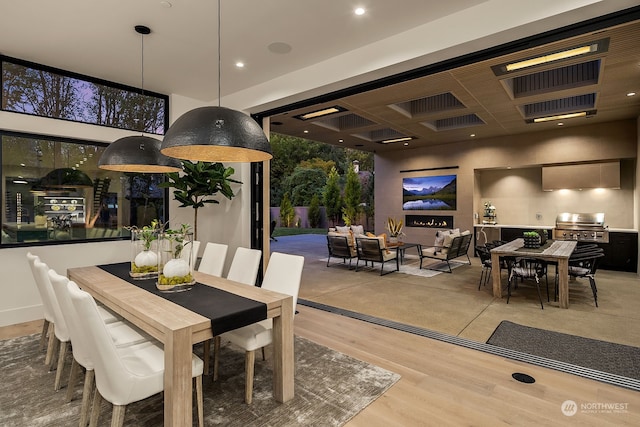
x=557, y=251
x=164, y=317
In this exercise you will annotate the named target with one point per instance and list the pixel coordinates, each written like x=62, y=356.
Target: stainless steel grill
x=583, y=227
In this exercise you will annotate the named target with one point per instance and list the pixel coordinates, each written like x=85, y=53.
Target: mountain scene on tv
x=429, y=193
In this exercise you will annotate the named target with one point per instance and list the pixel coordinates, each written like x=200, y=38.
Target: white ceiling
x=329, y=43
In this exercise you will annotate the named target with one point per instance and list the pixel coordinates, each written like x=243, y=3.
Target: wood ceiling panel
x=486, y=95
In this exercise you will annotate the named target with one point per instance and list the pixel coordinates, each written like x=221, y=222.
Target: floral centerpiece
x=175, y=263
x=144, y=257
x=394, y=227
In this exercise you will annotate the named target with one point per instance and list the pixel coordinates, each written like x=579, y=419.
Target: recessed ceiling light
x=306, y=131
x=320, y=113
x=359, y=11
x=341, y=141
x=560, y=117
x=240, y=64
x=569, y=53
x=406, y=144
x=391, y=141
x=472, y=135
x=22, y=164
x=561, y=124
x=631, y=94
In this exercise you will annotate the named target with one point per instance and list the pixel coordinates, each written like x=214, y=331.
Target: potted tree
x=198, y=184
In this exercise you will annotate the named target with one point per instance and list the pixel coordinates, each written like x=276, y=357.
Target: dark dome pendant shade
x=216, y=134
x=65, y=178
x=137, y=154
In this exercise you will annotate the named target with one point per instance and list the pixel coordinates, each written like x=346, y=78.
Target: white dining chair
x=123, y=374
x=48, y=325
x=122, y=334
x=244, y=266
x=213, y=259
x=244, y=269
x=283, y=275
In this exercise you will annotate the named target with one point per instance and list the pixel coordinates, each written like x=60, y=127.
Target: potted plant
x=175, y=269
x=144, y=259
x=198, y=184
x=40, y=218
x=531, y=239
x=394, y=227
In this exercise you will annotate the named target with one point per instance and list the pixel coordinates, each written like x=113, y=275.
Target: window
x=33, y=89
x=53, y=191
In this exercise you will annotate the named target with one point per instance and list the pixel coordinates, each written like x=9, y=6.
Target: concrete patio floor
x=452, y=303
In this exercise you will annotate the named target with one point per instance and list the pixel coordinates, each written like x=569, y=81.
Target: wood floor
x=443, y=384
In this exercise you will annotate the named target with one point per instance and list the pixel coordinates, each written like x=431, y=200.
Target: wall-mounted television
x=429, y=193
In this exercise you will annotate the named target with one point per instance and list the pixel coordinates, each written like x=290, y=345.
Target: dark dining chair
x=527, y=268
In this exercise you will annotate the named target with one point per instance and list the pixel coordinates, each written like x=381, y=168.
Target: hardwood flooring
x=446, y=385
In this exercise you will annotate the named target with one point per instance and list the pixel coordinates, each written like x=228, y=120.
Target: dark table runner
x=227, y=311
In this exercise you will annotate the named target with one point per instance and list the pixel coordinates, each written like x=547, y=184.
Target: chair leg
x=117, y=417
x=199, y=400
x=250, y=357
x=87, y=390
x=594, y=289
x=206, y=354
x=73, y=377
x=263, y=358
x=539, y=293
x=51, y=345
x=216, y=356
x=61, y=358
x=95, y=408
x=43, y=336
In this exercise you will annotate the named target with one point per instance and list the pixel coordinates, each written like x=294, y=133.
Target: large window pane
x=52, y=191
x=31, y=89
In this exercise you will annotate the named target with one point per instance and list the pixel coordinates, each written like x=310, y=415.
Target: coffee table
x=402, y=247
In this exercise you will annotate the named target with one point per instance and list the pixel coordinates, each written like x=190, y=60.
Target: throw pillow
x=440, y=237
x=449, y=238
x=383, y=242
x=357, y=229
x=370, y=234
x=344, y=229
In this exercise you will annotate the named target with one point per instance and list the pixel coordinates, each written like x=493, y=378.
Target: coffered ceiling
x=483, y=100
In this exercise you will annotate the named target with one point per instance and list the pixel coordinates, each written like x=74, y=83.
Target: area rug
x=603, y=356
x=410, y=265
x=330, y=388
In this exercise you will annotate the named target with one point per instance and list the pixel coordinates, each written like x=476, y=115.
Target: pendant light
x=216, y=134
x=138, y=153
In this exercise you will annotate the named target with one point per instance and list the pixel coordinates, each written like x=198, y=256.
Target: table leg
x=283, y=358
x=177, y=378
x=563, y=282
x=495, y=275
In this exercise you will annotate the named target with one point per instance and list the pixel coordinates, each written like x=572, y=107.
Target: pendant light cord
x=219, y=57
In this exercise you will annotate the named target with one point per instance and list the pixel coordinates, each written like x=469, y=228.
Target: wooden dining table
x=179, y=328
x=558, y=251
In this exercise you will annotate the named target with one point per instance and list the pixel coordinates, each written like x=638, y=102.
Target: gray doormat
x=603, y=356
x=330, y=388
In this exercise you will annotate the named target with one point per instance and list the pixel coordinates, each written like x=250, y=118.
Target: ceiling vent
x=559, y=106
x=459, y=122
x=569, y=77
x=344, y=122
x=429, y=105
x=383, y=136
